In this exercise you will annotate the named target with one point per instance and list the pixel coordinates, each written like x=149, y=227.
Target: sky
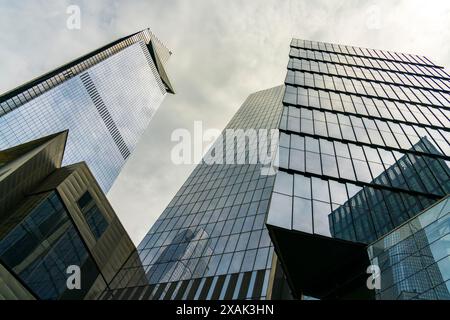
x=222, y=52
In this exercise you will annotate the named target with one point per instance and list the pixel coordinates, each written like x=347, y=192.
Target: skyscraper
x=105, y=99
x=211, y=242
x=363, y=148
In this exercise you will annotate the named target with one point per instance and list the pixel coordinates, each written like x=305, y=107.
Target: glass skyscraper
x=105, y=99
x=211, y=241
x=363, y=148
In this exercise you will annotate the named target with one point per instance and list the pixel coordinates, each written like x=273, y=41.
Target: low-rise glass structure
x=56, y=226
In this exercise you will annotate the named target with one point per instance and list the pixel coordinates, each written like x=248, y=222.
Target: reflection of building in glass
x=414, y=258
x=364, y=146
x=53, y=217
x=170, y=264
x=404, y=172
x=105, y=98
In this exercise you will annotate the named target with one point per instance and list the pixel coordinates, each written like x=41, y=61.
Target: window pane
x=362, y=171
x=307, y=126
x=261, y=258
x=297, y=160
x=236, y=262
x=302, y=217
x=326, y=147
x=320, y=189
x=284, y=183
x=333, y=130
x=284, y=157
x=297, y=142
x=345, y=168
x=338, y=192
x=280, y=213
x=224, y=263
x=356, y=152
x=321, y=212
x=341, y=150
x=302, y=186
x=249, y=260
x=312, y=144
x=329, y=166
x=94, y=217
x=313, y=163
x=284, y=140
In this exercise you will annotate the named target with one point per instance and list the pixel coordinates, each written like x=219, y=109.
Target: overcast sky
x=222, y=52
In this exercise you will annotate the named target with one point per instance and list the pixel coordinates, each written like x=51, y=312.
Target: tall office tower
x=105, y=99
x=54, y=220
x=364, y=147
x=211, y=242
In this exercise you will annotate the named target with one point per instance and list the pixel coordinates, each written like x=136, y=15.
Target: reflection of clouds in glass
x=67, y=107
x=175, y=261
x=132, y=74
x=363, y=213
x=131, y=94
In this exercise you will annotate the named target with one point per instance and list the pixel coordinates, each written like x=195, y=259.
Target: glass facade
x=106, y=100
x=414, y=259
x=39, y=245
x=363, y=148
x=211, y=241
x=342, y=208
x=364, y=141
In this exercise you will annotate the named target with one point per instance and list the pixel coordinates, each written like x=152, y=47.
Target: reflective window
x=40, y=248
x=297, y=142
x=297, y=160
x=94, y=217
x=224, y=263
x=321, y=211
x=329, y=166
x=280, y=210
x=345, y=168
x=313, y=163
x=302, y=215
x=312, y=144
x=320, y=189
x=284, y=183
x=338, y=192
x=302, y=186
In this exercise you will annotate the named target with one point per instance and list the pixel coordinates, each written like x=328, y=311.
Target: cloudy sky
x=222, y=51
